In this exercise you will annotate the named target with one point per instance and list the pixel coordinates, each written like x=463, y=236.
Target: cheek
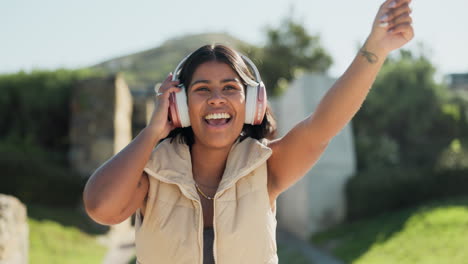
x=241, y=102
x=194, y=105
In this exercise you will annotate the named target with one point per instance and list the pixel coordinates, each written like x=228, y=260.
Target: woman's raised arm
x=296, y=152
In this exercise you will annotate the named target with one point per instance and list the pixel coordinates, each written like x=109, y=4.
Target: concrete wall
x=317, y=200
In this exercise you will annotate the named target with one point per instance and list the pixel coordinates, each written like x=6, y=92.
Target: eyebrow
x=223, y=81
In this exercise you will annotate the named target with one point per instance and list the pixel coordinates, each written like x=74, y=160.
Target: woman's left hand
x=392, y=27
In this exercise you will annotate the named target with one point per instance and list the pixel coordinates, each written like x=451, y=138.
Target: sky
x=51, y=34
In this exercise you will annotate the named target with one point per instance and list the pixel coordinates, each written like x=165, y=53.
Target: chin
x=216, y=141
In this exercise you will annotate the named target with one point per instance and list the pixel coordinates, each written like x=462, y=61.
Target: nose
x=216, y=98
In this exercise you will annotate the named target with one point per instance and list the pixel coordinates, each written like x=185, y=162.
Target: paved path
x=121, y=243
x=309, y=252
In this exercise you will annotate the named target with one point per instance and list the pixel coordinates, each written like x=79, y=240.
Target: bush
x=31, y=176
x=376, y=191
x=408, y=118
x=34, y=136
x=35, y=108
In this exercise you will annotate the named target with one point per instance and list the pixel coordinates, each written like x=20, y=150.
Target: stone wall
x=100, y=122
x=14, y=231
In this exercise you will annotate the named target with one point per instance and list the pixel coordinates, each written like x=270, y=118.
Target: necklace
x=202, y=193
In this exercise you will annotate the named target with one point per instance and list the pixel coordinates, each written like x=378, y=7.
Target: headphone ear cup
x=255, y=104
x=250, y=100
x=178, y=109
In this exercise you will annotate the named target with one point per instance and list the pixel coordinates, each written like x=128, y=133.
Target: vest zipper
x=214, y=229
x=200, y=230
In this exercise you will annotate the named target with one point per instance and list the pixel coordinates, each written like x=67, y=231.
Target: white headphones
x=255, y=103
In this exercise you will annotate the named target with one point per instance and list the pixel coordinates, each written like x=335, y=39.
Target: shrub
x=376, y=191
x=31, y=175
x=35, y=108
x=34, y=136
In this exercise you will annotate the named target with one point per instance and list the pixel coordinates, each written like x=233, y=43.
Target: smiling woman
x=220, y=75
x=207, y=192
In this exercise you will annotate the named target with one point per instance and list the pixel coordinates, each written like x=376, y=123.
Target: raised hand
x=392, y=27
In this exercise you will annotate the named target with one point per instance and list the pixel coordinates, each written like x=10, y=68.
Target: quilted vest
x=244, y=222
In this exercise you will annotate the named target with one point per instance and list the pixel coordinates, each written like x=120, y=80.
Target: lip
x=218, y=127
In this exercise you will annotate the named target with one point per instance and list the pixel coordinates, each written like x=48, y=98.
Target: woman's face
x=216, y=101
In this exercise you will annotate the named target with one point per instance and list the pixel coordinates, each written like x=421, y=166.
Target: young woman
x=207, y=192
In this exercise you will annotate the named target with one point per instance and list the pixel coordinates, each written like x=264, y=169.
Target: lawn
x=63, y=236
x=433, y=233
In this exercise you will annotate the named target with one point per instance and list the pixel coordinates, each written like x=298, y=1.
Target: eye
x=202, y=89
x=231, y=87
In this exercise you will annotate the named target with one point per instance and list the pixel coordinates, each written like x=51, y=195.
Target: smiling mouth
x=217, y=119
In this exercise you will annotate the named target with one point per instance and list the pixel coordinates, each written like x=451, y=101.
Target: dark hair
x=224, y=54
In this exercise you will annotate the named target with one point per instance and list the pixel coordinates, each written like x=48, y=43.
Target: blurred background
x=76, y=83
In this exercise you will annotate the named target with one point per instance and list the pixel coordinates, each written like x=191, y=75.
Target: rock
x=14, y=231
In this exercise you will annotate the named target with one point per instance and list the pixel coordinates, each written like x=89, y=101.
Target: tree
x=289, y=49
x=403, y=121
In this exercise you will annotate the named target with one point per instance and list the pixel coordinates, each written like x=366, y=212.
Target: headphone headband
x=252, y=66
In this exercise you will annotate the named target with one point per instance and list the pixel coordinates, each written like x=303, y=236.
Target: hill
x=143, y=69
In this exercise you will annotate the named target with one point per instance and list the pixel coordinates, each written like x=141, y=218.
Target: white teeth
x=218, y=116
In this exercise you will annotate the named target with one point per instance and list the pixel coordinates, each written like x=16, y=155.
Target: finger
x=405, y=29
x=403, y=18
x=391, y=4
x=167, y=85
x=399, y=3
x=169, y=77
x=396, y=12
x=393, y=13
x=165, y=93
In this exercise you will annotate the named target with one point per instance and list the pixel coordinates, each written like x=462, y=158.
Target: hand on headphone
x=159, y=122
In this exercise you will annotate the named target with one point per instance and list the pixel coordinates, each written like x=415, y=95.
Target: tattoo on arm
x=371, y=57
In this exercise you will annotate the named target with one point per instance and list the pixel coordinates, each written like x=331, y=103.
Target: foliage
x=375, y=191
x=431, y=233
x=34, y=136
x=66, y=217
x=35, y=108
x=144, y=69
x=54, y=242
x=289, y=49
x=402, y=121
x=410, y=139
x=32, y=176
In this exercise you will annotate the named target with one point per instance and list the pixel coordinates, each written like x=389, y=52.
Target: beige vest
x=244, y=223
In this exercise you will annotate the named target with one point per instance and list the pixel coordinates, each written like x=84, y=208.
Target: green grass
x=62, y=236
x=433, y=233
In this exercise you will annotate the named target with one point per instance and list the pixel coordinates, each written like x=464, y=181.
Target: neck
x=208, y=164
